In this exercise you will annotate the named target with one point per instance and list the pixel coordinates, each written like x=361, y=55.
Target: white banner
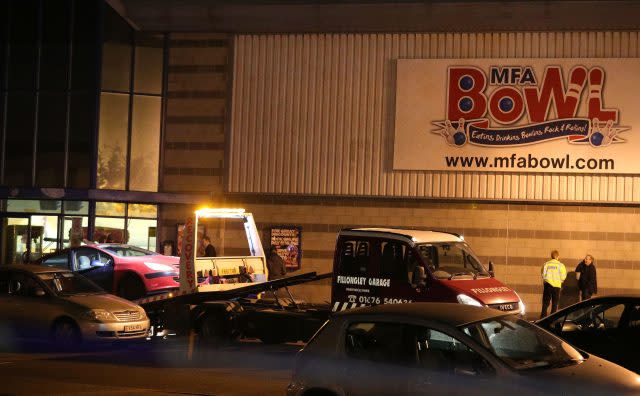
x=518, y=115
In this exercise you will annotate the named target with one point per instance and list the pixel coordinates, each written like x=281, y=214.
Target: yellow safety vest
x=554, y=273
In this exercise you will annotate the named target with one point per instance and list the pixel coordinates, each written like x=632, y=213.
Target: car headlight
x=159, y=267
x=99, y=315
x=464, y=299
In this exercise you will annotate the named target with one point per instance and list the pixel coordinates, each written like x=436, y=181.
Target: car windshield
x=128, y=251
x=451, y=260
x=69, y=283
x=521, y=344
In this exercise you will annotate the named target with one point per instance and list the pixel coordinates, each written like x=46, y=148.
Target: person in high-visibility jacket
x=553, y=274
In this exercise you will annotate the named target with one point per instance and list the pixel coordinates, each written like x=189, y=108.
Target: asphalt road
x=158, y=368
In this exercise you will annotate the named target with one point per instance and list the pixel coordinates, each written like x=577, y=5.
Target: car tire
x=65, y=334
x=131, y=287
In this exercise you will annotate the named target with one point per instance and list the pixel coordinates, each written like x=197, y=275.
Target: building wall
x=196, y=113
x=518, y=238
x=316, y=111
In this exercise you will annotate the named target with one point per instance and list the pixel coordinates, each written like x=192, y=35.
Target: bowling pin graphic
x=460, y=137
x=596, y=82
x=576, y=85
x=596, y=137
x=609, y=133
x=447, y=132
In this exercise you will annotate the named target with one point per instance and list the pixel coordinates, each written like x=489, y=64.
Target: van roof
x=411, y=236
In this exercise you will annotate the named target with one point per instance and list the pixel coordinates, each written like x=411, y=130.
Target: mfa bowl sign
x=518, y=115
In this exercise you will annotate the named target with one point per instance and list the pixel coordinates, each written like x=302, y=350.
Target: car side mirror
x=39, y=292
x=491, y=270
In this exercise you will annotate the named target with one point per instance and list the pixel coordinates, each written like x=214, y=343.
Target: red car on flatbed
x=128, y=271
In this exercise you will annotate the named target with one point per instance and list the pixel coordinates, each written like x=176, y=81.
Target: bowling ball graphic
x=460, y=138
x=596, y=139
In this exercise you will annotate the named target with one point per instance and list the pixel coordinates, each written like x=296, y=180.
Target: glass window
x=145, y=143
x=356, y=257
x=74, y=230
x=32, y=206
x=85, y=258
x=142, y=233
x=438, y=351
x=634, y=316
x=522, y=345
x=83, y=120
x=50, y=152
x=19, y=138
x=76, y=207
x=4, y=23
x=21, y=284
x=23, y=49
x=143, y=210
x=112, y=144
x=58, y=260
x=116, y=66
x=392, y=261
x=110, y=230
x=15, y=232
x=596, y=317
x=148, y=64
x=378, y=342
x=44, y=235
x=110, y=209
x=54, y=72
x=85, y=41
x=450, y=260
x=68, y=283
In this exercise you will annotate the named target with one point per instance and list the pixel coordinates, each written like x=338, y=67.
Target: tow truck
x=222, y=298
x=371, y=266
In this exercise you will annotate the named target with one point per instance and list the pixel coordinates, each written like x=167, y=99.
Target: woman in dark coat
x=275, y=264
x=587, y=279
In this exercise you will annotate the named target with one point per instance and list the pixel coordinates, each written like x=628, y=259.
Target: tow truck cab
x=389, y=266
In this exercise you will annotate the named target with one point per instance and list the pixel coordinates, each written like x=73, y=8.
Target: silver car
x=45, y=302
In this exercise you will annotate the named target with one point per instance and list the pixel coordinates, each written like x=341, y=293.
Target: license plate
x=133, y=328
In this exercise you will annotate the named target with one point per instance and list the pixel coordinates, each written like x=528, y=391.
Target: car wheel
x=65, y=333
x=131, y=288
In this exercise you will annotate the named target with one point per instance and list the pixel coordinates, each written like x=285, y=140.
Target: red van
x=389, y=266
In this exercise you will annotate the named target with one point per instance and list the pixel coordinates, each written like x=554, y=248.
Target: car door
x=594, y=328
x=446, y=365
x=31, y=306
x=95, y=265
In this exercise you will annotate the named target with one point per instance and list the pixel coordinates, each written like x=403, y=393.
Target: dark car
x=607, y=326
x=128, y=271
x=452, y=349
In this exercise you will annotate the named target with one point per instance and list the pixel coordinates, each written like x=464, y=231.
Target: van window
x=392, y=260
x=357, y=257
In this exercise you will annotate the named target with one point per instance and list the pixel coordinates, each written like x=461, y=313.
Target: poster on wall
x=180, y=236
x=561, y=115
x=288, y=243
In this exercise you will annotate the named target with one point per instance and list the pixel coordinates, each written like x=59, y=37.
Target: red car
x=128, y=271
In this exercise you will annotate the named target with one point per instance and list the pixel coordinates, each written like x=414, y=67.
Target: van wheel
x=131, y=288
x=65, y=334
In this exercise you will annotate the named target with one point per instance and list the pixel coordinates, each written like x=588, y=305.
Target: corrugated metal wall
x=313, y=114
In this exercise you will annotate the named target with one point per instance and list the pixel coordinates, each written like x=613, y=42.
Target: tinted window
x=392, y=263
x=82, y=127
x=22, y=285
x=68, y=283
x=357, y=257
x=19, y=138
x=54, y=70
x=50, y=156
x=379, y=342
x=597, y=317
x=59, y=260
x=23, y=35
x=85, y=45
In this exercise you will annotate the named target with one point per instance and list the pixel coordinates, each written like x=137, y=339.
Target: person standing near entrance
x=553, y=274
x=209, y=249
x=587, y=280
